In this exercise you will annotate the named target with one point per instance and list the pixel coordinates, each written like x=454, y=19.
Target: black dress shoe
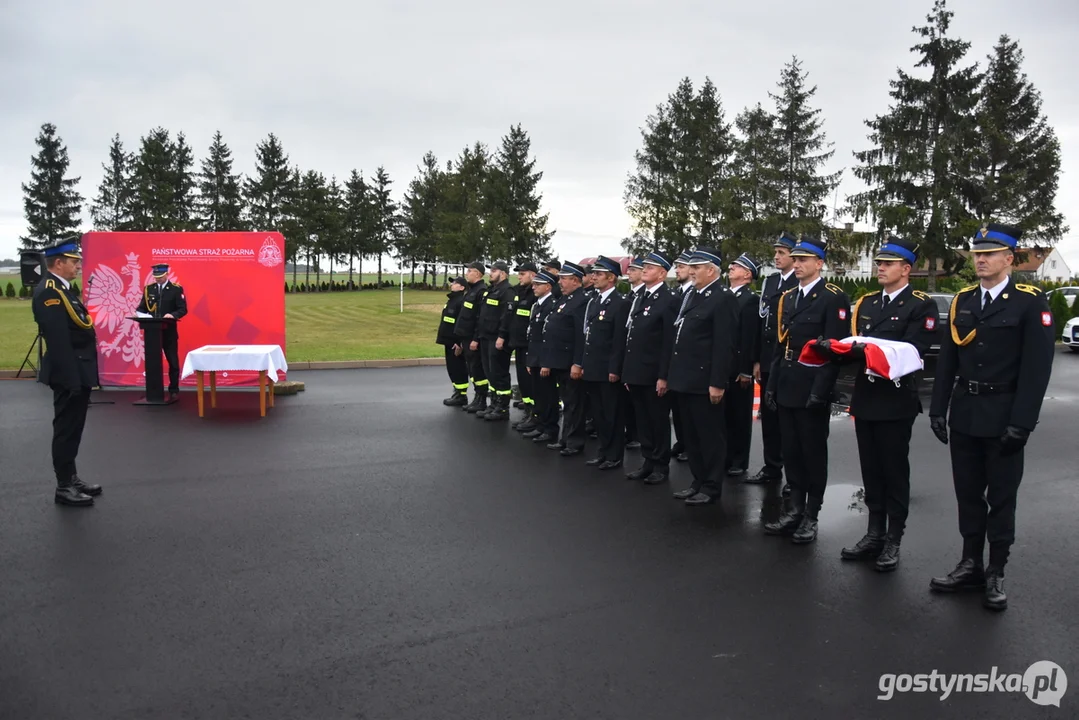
x=542, y=438
x=761, y=478
x=681, y=457
x=596, y=461
x=555, y=445
x=639, y=474
x=658, y=477
x=734, y=471
x=610, y=465
x=684, y=494
x=526, y=426
x=968, y=575
x=632, y=444
x=85, y=488
x=532, y=434
x=70, y=496
x=787, y=524
x=995, y=599
x=700, y=499
x=888, y=560
x=570, y=452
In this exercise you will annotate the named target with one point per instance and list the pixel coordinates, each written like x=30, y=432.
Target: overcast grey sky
x=355, y=86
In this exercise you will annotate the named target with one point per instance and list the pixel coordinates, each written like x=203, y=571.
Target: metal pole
x=402, y=269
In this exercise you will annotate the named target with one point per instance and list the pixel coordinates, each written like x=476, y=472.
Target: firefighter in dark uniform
x=456, y=367
x=705, y=345
x=634, y=272
x=739, y=398
x=884, y=411
x=544, y=386
x=772, y=290
x=604, y=330
x=495, y=356
x=801, y=394
x=514, y=335
x=561, y=356
x=589, y=293
x=646, y=357
x=69, y=366
x=998, y=354
x=165, y=299
x=553, y=267
x=465, y=332
x=682, y=292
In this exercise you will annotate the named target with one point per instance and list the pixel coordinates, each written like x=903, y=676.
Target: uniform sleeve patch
x=50, y=303
x=1047, y=319
x=930, y=323
x=842, y=313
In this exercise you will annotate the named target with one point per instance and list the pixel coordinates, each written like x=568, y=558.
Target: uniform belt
x=983, y=388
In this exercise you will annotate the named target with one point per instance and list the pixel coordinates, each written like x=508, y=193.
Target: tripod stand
x=26, y=360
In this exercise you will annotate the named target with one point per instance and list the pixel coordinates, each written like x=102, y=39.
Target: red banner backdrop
x=233, y=283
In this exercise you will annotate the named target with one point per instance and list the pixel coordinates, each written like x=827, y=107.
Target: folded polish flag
x=884, y=358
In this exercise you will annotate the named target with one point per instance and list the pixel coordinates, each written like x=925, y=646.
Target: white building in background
x=1045, y=264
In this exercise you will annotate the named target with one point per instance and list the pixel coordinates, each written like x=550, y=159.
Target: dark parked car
x=844, y=387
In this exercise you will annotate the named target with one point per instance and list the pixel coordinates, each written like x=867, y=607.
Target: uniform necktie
x=987, y=299
x=884, y=303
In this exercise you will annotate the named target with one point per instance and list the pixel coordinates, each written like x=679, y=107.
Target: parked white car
x=1070, y=336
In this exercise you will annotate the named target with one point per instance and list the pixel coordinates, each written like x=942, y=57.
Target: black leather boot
x=968, y=575
x=68, y=495
x=500, y=411
x=807, y=530
x=458, y=399
x=888, y=560
x=85, y=488
x=479, y=401
x=995, y=599
x=791, y=519
x=871, y=543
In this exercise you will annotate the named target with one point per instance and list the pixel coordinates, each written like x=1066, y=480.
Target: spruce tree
x=154, y=190
x=805, y=147
x=757, y=185
x=1017, y=165
x=111, y=209
x=51, y=201
x=463, y=217
x=184, y=201
x=358, y=223
x=418, y=240
x=516, y=201
x=646, y=194
x=711, y=167
x=220, y=200
x=268, y=189
x=385, y=216
x=919, y=167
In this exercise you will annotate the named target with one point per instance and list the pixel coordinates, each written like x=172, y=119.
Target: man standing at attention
x=992, y=375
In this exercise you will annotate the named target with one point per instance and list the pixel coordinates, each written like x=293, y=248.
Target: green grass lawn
x=364, y=325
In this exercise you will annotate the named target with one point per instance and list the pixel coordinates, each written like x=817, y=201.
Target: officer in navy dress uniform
x=164, y=299
x=802, y=394
x=465, y=332
x=562, y=355
x=884, y=411
x=69, y=366
x=772, y=290
x=553, y=267
x=544, y=386
x=646, y=357
x=992, y=375
x=634, y=271
x=705, y=350
x=514, y=335
x=604, y=330
x=739, y=397
x=456, y=367
x=682, y=292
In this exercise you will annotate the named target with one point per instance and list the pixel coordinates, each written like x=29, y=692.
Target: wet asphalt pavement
x=364, y=552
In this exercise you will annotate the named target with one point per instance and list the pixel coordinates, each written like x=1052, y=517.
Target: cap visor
x=989, y=247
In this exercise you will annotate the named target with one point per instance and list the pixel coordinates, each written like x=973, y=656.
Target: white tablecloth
x=236, y=357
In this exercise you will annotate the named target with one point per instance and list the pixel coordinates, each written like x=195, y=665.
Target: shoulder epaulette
x=967, y=289
x=1029, y=289
x=921, y=295
x=793, y=289
x=866, y=294
x=50, y=283
x=834, y=288
x=177, y=285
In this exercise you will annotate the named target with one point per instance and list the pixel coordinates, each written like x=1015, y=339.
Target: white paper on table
x=142, y=314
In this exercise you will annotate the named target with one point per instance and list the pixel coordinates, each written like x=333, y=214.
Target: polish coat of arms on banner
x=270, y=254
x=112, y=300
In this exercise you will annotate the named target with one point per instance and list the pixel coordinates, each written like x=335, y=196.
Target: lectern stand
x=152, y=329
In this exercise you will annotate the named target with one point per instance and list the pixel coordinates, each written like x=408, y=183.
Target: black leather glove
x=857, y=350
x=940, y=428
x=825, y=346
x=815, y=401
x=770, y=400
x=1013, y=440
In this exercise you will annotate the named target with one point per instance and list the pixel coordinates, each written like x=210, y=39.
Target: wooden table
x=267, y=360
